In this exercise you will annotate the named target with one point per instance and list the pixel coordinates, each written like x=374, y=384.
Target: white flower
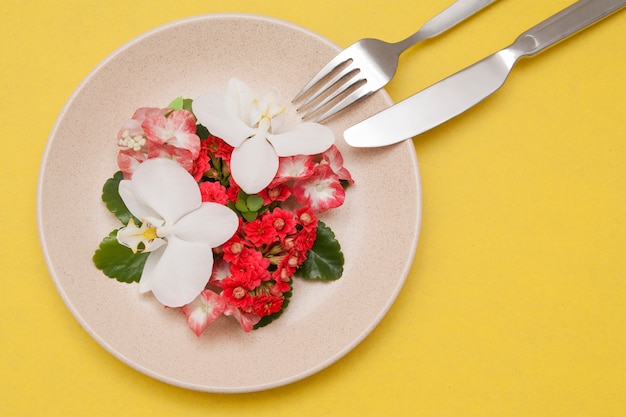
x=178, y=230
x=253, y=127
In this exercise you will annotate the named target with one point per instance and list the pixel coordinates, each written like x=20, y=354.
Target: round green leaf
x=117, y=261
x=325, y=259
x=254, y=202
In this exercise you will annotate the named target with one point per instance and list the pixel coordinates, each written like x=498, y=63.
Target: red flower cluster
x=262, y=258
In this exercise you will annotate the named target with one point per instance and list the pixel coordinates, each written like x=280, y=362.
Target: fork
x=369, y=64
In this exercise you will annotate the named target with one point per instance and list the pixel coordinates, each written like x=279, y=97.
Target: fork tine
x=345, y=73
x=338, y=60
x=358, y=94
x=346, y=87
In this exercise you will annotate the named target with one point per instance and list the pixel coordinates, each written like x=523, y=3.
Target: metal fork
x=369, y=64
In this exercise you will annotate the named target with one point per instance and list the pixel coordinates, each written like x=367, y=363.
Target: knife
x=457, y=93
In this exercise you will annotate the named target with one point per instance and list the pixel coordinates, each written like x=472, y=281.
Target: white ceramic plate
x=378, y=226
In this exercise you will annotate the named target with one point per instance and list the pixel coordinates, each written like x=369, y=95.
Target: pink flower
x=334, y=159
x=131, y=128
x=321, y=191
x=293, y=168
x=246, y=320
x=177, y=129
x=128, y=160
x=221, y=270
x=202, y=311
x=165, y=150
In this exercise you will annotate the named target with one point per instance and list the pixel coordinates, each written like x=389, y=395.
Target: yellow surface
x=516, y=302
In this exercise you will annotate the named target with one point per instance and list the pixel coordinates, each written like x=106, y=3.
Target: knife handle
x=576, y=17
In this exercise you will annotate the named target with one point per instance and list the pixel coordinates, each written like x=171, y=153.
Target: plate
x=378, y=226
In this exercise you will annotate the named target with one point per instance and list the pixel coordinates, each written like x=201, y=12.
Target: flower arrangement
x=219, y=205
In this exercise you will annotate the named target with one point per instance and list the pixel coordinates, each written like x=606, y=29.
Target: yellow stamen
x=150, y=233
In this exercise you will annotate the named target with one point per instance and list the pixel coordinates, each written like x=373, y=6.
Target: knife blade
x=453, y=95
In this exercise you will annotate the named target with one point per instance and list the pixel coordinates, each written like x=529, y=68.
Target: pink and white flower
x=321, y=191
x=177, y=129
x=253, y=127
x=203, y=310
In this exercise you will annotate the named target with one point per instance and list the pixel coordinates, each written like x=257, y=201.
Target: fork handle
x=449, y=17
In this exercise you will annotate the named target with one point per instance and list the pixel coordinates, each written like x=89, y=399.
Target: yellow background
x=516, y=302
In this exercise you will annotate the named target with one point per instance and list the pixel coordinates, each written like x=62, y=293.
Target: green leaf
x=250, y=216
x=113, y=201
x=325, y=259
x=176, y=104
x=202, y=131
x=254, y=202
x=187, y=104
x=265, y=320
x=117, y=261
x=180, y=103
x=241, y=206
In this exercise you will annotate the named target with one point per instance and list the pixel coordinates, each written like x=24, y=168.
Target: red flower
x=219, y=148
x=304, y=240
x=281, y=284
x=266, y=304
x=260, y=232
x=213, y=192
x=202, y=163
x=234, y=248
x=306, y=218
x=237, y=292
x=274, y=194
x=233, y=191
x=251, y=268
x=282, y=221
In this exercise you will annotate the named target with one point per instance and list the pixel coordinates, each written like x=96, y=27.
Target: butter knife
x=457, y=93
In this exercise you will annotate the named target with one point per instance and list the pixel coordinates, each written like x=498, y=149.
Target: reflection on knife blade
x=457, y=93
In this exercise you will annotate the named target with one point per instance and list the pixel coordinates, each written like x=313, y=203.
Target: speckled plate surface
x=378, y=226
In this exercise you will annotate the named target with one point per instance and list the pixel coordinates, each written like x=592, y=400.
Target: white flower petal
x=220, y=115
x=302, y=139
x=254, y=164
x=212, y=224
x=177, y=272
x=145, y=283
x=136, y=207
x=166, y=187
x=243, y=97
